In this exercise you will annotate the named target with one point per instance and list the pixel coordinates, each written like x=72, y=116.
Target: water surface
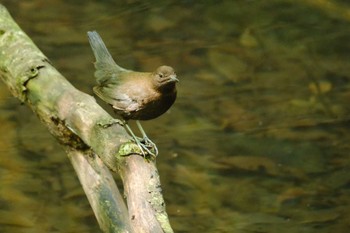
x=257, y=140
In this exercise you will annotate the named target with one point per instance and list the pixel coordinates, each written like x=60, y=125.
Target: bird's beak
x=173, y=78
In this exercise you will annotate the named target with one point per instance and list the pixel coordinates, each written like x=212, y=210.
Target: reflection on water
x=256, y=142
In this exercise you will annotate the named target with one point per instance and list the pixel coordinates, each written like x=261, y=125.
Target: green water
x=257, y=140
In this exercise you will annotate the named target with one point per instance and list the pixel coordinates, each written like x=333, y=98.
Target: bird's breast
x=150, y=108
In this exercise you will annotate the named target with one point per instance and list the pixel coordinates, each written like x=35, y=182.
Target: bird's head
x=164, y=76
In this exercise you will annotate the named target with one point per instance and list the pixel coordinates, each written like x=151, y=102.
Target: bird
x=133, y=95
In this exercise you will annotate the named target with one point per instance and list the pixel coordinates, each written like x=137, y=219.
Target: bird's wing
x=105, y=65
x=119, y=101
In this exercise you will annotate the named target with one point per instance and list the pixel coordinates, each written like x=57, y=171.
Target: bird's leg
x=146, y=139
x=142, y=146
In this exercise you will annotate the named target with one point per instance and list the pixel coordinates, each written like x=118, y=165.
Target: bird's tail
x=105, y=65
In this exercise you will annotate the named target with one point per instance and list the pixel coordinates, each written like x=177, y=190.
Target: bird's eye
x=160, y=75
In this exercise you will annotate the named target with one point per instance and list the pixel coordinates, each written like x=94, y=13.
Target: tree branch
x=101, y=191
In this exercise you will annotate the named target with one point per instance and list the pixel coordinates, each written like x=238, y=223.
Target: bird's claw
x=147, y=147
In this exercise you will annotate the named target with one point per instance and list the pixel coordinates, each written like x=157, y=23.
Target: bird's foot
x=146, y=146
x=151, y=146
x=133, y=147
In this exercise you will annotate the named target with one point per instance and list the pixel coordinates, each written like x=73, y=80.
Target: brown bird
x=133, y=95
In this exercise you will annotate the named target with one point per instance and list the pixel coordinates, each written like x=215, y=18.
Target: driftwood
x=95, y=142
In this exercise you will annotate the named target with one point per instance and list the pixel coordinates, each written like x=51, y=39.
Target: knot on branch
x=31, y=73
